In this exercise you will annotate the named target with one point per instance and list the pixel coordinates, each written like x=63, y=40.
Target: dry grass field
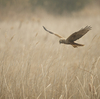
x=33, y=65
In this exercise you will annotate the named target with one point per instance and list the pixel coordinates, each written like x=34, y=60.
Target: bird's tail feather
x=75, y=45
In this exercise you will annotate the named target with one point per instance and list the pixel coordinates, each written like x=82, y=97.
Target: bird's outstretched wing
x=52, y=33
x=78, y=34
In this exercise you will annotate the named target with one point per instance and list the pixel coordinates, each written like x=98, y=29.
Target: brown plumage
x=73, y=37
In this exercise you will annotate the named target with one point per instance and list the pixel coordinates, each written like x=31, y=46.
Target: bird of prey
x=73, y=37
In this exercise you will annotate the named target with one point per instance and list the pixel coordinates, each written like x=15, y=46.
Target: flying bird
x=73, y=37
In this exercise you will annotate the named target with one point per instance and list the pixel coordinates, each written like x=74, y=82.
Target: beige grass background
x=33, y=65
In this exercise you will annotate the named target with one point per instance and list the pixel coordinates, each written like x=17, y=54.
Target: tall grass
x=33, y=65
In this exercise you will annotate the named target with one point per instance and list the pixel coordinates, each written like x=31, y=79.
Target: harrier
x=73, y=37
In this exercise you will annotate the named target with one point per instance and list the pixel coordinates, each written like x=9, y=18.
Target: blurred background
x=57, y=7
x=33, y=65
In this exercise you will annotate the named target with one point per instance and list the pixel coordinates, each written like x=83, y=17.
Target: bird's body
x=65, y=41
x=70, y=40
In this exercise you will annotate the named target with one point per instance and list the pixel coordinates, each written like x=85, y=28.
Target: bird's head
x=62, y=41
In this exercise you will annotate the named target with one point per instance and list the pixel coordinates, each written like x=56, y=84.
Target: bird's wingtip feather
x=88, y=27
x=44, y=28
